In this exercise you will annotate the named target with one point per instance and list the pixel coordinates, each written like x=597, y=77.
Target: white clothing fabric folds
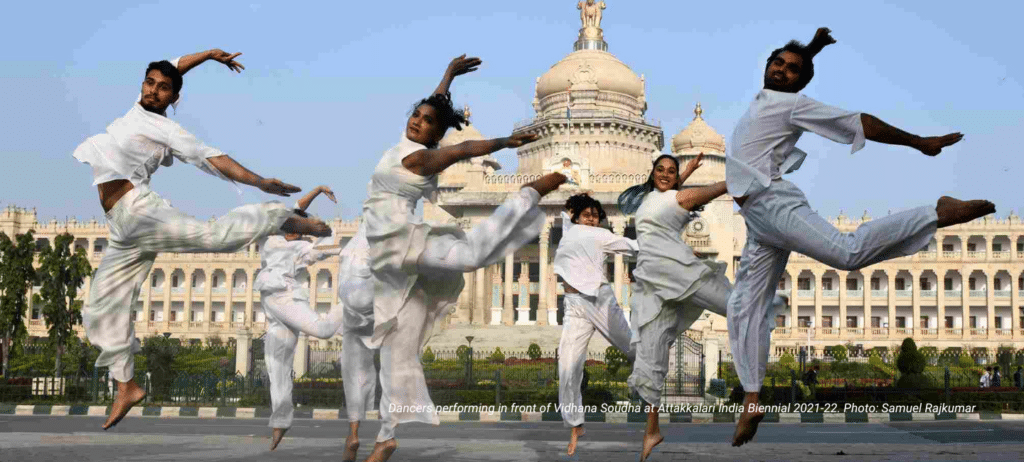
x=764, y=141
x=355, y=290
x=417, y=271
x=286, y=304
x=142, y=224
x=580, y=262
x=780, y=220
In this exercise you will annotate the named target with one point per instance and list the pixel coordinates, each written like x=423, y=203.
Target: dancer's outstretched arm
x=692, y=198
x=458, y=66
x=303, y=203
x=428, y=162
x=691, y=167
x=187, y=62
x=235, y=171
x=876, y=130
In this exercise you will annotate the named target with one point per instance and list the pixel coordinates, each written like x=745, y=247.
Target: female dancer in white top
x=286, y=305
x=590, y=302
x=417, y=267
x=675, y=286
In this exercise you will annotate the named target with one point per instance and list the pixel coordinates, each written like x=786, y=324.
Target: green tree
x=533, y=351
x=838, y=353
x=62, y=272
x=497, y=356
x=614, y=359
x=911, y=364
x=16, y=277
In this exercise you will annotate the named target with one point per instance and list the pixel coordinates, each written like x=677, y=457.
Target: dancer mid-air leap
x=780, y=220
x=142, y=224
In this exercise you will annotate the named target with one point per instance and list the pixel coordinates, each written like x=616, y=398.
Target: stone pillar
x=189, y=274
x=626, y=309
x=1015, y=304
x=965, y=296
x=167, y=298
x=817, y=302
x=229, y=312
x=92, y=245
x=990, y=304
x=891, y=297
x=552, y=298
x=248, y=297
x=301, y=355
x=842, y=304
x=542, y=299
x=619, y=227
x=496, y=309
x=243, y=341
x=523, y=310
x=480, y=283
x=508, y=314
x=208, y=299
x=793, y=305
x=915, y=286
x=940, y=299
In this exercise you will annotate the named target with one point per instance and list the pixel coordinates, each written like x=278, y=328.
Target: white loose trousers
x=583, y=316
x=142, y=224
x=404, y=395
x=779, y=221
x=289, y=314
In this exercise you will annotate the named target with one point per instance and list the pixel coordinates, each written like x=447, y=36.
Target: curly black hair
x=580, y=202
x=168, y=70
x=447, y=115
x=806, y=71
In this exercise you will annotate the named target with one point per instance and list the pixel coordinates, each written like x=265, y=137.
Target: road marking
x=915, y=431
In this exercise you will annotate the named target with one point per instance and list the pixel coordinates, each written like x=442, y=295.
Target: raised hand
x=462, y=65
x=823, y=36
x=228, y=59
x=520, y=139
x=327, y=192
x=932, y=145
x=277, y=187
x=694, y=163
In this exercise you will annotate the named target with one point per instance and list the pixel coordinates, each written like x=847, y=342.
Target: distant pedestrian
x=986, y=378
x=1018, y=377
x=997, y=378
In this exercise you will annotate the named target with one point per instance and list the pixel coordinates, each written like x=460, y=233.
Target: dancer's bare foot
x=547, y=183
x=128, y=394
x=954, y=211
x=310, y=226
x=746, y=427
x=276, y=438
x=382, y=451
x=652, y=433
x=351, y=448
x=577, y=432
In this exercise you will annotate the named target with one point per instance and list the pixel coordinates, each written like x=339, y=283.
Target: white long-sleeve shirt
x=283, y=259
x=764, y=141
x=135, y=145
x=582, y=252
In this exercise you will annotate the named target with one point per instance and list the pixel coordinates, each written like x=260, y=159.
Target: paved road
x=78, y=439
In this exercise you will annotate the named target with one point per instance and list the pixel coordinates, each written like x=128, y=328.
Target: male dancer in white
x=417, y=266
x=590, y=303
x=779, y=219
x=286, y=305
x=142, y=224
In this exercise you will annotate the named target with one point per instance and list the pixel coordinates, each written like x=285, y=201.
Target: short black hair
x=170, y=71
x=447, y=115
x=806, y=70
x=580, y=202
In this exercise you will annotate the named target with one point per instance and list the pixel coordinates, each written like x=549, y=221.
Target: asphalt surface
x=72, y=438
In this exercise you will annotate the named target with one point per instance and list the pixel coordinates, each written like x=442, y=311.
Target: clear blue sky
x=327, y=87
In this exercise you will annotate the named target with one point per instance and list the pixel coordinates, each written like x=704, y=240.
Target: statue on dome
x=590, y=13
x=466, y=113
x=570, y=172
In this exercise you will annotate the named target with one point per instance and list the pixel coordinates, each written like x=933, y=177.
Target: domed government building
x=965, y=289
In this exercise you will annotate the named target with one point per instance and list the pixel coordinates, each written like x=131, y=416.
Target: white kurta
x=673, y=288
x=355, y=290
x=286, y=304
x=142, y=225
x=780, y=220
x=416, y=271
x=580, y=261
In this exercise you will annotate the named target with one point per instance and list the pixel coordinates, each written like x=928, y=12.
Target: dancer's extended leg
x=572, y=356
x=279, y=354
